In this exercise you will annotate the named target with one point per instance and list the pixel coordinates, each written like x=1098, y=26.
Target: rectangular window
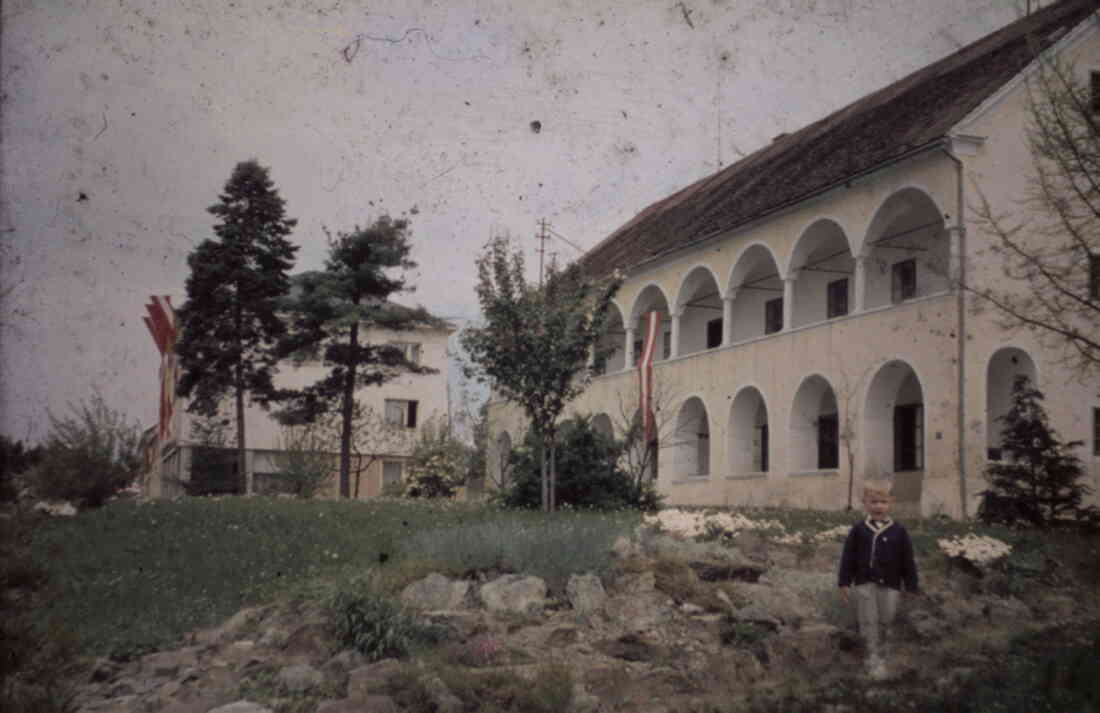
x=828, y=441
x=773, y=315
x=703, y=454
x=391, y=472
x=638, y=346
x=836, y=293
x=1094, y=277
x=666, y=343
x=1096, y=431
x=401, y=413
x=411, y=351
x=904, y=282
x=908, y=437
x=760, y=449
x=714, y=333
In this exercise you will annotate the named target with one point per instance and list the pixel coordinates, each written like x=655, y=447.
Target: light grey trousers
x=876, y=607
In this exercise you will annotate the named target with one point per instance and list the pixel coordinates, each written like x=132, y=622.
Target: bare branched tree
x=1052, y=253
x=639, y=459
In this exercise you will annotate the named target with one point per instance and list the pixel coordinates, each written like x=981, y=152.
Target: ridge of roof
x=878, y=128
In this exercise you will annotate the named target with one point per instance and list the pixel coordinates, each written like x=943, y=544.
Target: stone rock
x=562, y=636
x=928, y=626
x=120, y=704
x=232, y=627
x=345, y=660
x=274, y=638
x=809, y=584
x=753, y=614
x=460, y=624
x=373, y=678
x=1006, y=609
x=436, y=592
x=168, y=663
x=365, y=704
x=583, y=701
x=241, y=707
x=441, y=696
x=309, y=642
x=300, y=678
x=629, y=647
x=625, y=547
x=514, y=593
x=785, y=605
x=586, y=593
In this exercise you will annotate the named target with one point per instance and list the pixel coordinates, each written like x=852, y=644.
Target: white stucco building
x=405, y=403
x=810, y=325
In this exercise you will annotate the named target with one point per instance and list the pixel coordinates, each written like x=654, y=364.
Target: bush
x=15, y=459
x=588, y=472
x=306, y=463
x=372, y=624
x=89, y=455
x=439, y=464
x=1039, y=482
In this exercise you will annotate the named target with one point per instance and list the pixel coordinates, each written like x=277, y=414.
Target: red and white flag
x=645, y=372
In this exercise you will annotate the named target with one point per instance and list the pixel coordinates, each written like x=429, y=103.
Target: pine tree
x=229, y=324
x=336, y=308
x=1038, y=482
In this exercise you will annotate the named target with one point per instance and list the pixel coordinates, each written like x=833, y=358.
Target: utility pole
x=542, y=237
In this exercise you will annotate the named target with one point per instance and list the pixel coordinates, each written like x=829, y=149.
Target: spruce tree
x=1039, y=480
x=229, y=325
x=342, y=308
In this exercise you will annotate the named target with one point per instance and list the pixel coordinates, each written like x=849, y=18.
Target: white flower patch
x=979, y=549
x=694, y=524
x=833, y=533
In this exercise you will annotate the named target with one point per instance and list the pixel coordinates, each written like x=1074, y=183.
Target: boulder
x=436, y=592
x=444, y=701
x=373, y=678
x=586, y=593
x=309, y=642
x=514, y=593
x=241, y=707
x=300, y=678
x=366, y=704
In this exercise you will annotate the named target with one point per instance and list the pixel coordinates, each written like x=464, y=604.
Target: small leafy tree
x=305, y=459
x=537, y=340
x=1039, y=482
x=229, y=325
x=439, y=463
x=337, y=308
x=588, y=470
x=15, y=459
x=89, y=455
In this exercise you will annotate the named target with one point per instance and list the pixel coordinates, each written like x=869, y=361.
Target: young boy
x=877, y=560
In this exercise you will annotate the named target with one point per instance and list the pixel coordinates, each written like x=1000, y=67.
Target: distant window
x=714, y=333
x=828, y=441
x=1094, y=277
x=411, y=351
x=703, y=453
x=1095, y=97
x=391, y=472
x=837, y=298
x=401, y=413
x=908, y=437
x=1096, y=431
x=666, y=343
x=638, y=345
x=904, y=283
x=760, y=449
x=773, y=315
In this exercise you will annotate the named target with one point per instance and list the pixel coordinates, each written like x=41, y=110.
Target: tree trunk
x=347, y=411
x=242, y=470
x=553, y=478
x=543, y=479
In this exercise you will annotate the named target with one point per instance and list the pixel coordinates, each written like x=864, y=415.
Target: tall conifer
x=229, y=325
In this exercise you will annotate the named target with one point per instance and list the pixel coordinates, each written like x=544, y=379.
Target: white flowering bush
x=980, y=550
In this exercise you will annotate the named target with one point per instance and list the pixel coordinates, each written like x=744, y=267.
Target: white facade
x=867, y=363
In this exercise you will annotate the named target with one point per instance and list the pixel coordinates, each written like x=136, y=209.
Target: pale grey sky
x=121, y=121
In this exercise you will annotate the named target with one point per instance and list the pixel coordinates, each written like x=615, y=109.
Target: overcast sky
x=122, y=120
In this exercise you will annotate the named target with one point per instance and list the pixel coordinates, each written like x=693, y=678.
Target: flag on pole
x=645, y=372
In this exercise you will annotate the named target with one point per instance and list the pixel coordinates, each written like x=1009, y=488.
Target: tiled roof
x=905, y=116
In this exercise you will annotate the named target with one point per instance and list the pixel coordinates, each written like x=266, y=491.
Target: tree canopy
x=537, y=340
x=339, y=311
x=229, y=325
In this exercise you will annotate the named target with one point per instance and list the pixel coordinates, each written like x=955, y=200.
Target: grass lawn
x=128, y=578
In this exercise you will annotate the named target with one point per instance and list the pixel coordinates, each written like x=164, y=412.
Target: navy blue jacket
x=884, y=558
